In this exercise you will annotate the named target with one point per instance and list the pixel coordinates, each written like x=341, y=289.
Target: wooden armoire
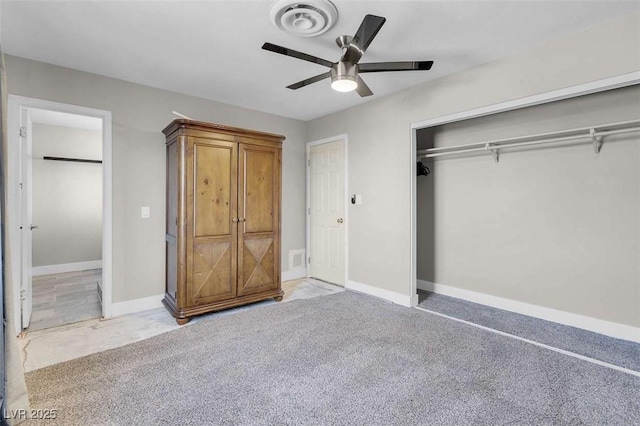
x=223, y=217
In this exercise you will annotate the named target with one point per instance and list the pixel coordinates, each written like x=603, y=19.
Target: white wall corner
x=136, y=305
x=608, y=328
x=66, y=267
x=391, y=296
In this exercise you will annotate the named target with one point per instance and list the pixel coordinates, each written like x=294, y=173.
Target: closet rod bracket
x=597, y=141
x=494, y=152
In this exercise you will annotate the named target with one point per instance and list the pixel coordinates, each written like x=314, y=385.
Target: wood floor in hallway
x=60, y=299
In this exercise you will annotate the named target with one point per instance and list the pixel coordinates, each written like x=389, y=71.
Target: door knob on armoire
x=234, y=220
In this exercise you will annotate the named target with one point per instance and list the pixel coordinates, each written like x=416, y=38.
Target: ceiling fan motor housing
x=344, y=70
x=307, y=18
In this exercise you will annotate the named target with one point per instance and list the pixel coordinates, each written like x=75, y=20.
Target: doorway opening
x=59, y=183
x=327, y=222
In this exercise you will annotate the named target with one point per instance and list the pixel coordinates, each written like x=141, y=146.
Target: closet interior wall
x=556, y=226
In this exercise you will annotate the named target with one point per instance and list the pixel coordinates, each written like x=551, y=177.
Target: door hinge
x=309, y=210
x=22, y=297
x=308, y=162
x=23, y=132
x=309, y=260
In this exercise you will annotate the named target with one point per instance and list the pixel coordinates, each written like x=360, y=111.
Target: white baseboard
x=613, y=329
x=293, y=274
x=391, y=296
x=66, y=267
x=136, y=305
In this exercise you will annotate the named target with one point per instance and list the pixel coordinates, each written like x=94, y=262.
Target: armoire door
x=259, y=214
x=212, y=220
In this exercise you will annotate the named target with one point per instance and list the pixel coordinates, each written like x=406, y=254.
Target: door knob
x=340, y=220
x=242, y=219
x=32, y=227
x=234, y=220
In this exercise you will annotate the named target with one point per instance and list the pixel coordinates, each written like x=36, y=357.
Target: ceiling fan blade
x=295, y=54
x=309, y=81
x=395, y=66
x=362, y=89
x=369, y=28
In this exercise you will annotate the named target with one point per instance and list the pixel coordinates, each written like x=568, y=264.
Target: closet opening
x=533, y=209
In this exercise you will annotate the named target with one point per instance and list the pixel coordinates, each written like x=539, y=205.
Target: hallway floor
x=60, y=299
x=54, y=345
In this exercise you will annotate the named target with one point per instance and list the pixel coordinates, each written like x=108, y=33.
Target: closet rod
x=534, y=136
x=517, y=138
x=74, y=160
x=511, y=145
x=490, y=148
x=493, y=146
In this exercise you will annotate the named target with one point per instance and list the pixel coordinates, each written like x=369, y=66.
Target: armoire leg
x=278, y=298
x=182, y=321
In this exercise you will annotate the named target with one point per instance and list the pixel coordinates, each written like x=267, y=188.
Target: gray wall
x=67, y=197
x=557, y=227
x=139, y=114
x=379, y=134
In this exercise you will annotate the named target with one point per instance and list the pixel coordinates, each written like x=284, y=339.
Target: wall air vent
x=307, y=18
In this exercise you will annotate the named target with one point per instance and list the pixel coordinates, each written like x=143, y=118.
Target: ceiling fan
x=345, y=74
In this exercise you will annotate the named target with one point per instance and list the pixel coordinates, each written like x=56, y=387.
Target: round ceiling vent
x=306, y=18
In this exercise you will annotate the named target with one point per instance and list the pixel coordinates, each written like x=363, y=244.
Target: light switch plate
x=145, y=212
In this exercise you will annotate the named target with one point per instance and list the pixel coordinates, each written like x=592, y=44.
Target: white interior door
x=327, y=206
x=27, y=215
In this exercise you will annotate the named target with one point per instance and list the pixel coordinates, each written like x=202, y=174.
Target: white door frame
x=15, y=104
x=341, y=137
x=26, y=218
x=596, y=86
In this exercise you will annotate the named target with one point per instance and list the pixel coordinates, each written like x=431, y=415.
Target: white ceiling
x=211, y=49
x=64, y=119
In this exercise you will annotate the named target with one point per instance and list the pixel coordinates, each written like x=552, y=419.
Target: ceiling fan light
x=344, y=83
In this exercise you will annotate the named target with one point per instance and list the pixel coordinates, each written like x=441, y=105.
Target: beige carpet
x=339, y=359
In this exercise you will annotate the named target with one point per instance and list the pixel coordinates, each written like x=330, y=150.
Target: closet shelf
x=591, y=134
